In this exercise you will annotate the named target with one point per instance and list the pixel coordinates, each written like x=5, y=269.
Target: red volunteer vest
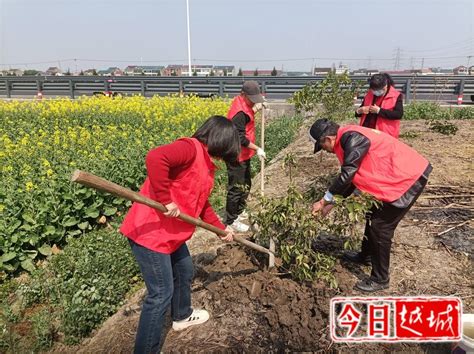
x=390, y=167
x=389, y=126
x=151, y=229
x=239, y=105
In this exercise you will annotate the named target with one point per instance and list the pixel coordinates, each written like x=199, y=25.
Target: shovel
x=271, y=259
x=101, y=184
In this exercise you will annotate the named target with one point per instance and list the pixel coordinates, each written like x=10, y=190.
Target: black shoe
x=356, y=257
x=369, y=285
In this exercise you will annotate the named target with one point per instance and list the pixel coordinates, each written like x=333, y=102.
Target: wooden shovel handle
x=101, y=184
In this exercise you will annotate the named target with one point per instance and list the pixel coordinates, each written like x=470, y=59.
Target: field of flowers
x=41, y=143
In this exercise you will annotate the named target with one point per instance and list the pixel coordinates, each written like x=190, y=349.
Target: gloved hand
x=261, y=153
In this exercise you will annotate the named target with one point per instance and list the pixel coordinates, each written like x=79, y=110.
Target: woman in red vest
x=380, y=165
x=239, y=176
x=180, y=176
x=382, y=107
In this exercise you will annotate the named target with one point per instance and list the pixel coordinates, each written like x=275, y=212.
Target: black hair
x=390, y=81
x=221, y=138
x=331, y=129
x=378, y=81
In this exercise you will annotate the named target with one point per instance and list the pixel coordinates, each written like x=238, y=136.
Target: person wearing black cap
x=378, y=164
x=239, y=179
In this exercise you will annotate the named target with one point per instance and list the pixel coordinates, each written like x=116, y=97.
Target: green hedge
x=433, y=110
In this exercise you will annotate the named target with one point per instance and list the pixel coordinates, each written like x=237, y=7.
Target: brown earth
x=253, y=310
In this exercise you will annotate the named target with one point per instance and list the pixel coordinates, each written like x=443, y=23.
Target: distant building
x=54, y=71
x=173, y=70
x=132, y=70
x=440, y=71
x=152, y=70
x=471, y=70
x=90, y=72
x=147, y=70
x=460, y=70
x=112, y=71
x=224, y=70
x=425, y=71
x=322, y=71
x=365, y=72
x=342, y=69
x=198, y=70
x=11, y=72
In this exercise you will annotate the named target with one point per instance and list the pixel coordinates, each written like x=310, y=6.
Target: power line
x=448, y=46
x=398, y=59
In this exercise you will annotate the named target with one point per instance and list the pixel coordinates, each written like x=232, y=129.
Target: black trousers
x=238, y=190
x=379, y=230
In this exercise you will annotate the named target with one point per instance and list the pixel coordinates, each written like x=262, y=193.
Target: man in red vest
x=242, y=115
x=378, y=164
x=382, y=107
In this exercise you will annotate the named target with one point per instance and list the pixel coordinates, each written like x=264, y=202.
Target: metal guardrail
x=429, y=87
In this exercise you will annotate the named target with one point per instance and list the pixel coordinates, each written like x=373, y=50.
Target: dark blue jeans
x=168, y=280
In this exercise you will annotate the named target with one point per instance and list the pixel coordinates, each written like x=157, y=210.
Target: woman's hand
x=374, y=109
x=230, y=235
x=363, y=110
x=173, y=210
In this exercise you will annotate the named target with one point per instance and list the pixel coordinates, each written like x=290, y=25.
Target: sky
x=293, y=35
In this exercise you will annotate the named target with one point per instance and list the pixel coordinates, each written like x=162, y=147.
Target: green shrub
x=443, y=127
x=289, y=221
x=425, y=110
x=434, y=111
x=335, y=93
x=463, y=113
x=87, y=282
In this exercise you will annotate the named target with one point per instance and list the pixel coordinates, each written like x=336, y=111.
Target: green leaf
x=7, y=257
x=109, y=211
x=49, y=230
x=45, y=250
x=28, y=265
x=92, y=213
x=83, y=225
x=14, y=226
x=28, y=218
x=74, y=233
x=70, y=221
x=10, y=267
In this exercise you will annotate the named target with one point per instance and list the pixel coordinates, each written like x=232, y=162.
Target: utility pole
x=189, y=39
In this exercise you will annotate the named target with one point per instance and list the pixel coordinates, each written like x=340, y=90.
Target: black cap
x=317, y=130
x=252, y=90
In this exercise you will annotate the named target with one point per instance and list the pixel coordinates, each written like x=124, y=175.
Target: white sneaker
x=197, y=317
x=243, y=216
x=239, y=226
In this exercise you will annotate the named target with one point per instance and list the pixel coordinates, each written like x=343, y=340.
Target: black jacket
x=393, y=114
